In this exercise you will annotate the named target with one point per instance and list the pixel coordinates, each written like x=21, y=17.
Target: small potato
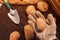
x=32, y=1
x=29, y=33
x=41, y=24
x=14, y=35
x=42, y=6
x=30, y=9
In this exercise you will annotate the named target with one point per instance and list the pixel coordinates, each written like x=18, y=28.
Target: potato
x=16, y=1
x=13, y=1
x=29, y=33
x=14, y=35
x=22, y=2
x=41, y=24
x=42, y=6
x=32, y=1
x=30, y=9
x=1, y=1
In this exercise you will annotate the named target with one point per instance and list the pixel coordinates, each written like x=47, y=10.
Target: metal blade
x=13, y=15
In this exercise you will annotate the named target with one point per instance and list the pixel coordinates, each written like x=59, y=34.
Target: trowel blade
x=15, y=18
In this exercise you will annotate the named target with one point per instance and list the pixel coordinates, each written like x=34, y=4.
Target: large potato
x=41, y=24
x=29, y=33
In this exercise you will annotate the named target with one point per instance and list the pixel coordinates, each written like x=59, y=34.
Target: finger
x=30, y=17
x=34, y=15
x=31, y=23
x=55, y=19
x=51, y=19
x=40, y=15
x=47, y=21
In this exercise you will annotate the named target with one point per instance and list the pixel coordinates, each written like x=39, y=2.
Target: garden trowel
x=13, y=14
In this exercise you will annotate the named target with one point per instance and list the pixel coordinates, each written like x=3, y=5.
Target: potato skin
x=11, y=1
x=29, y=33
x=40, y=24
x=14, y=35
x=22, y=2
x=1, y=1
x=16, y=2
x=30, y=9
x=32, y=1
x=42, y=6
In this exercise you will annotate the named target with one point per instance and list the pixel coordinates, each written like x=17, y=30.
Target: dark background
x=7, y=26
